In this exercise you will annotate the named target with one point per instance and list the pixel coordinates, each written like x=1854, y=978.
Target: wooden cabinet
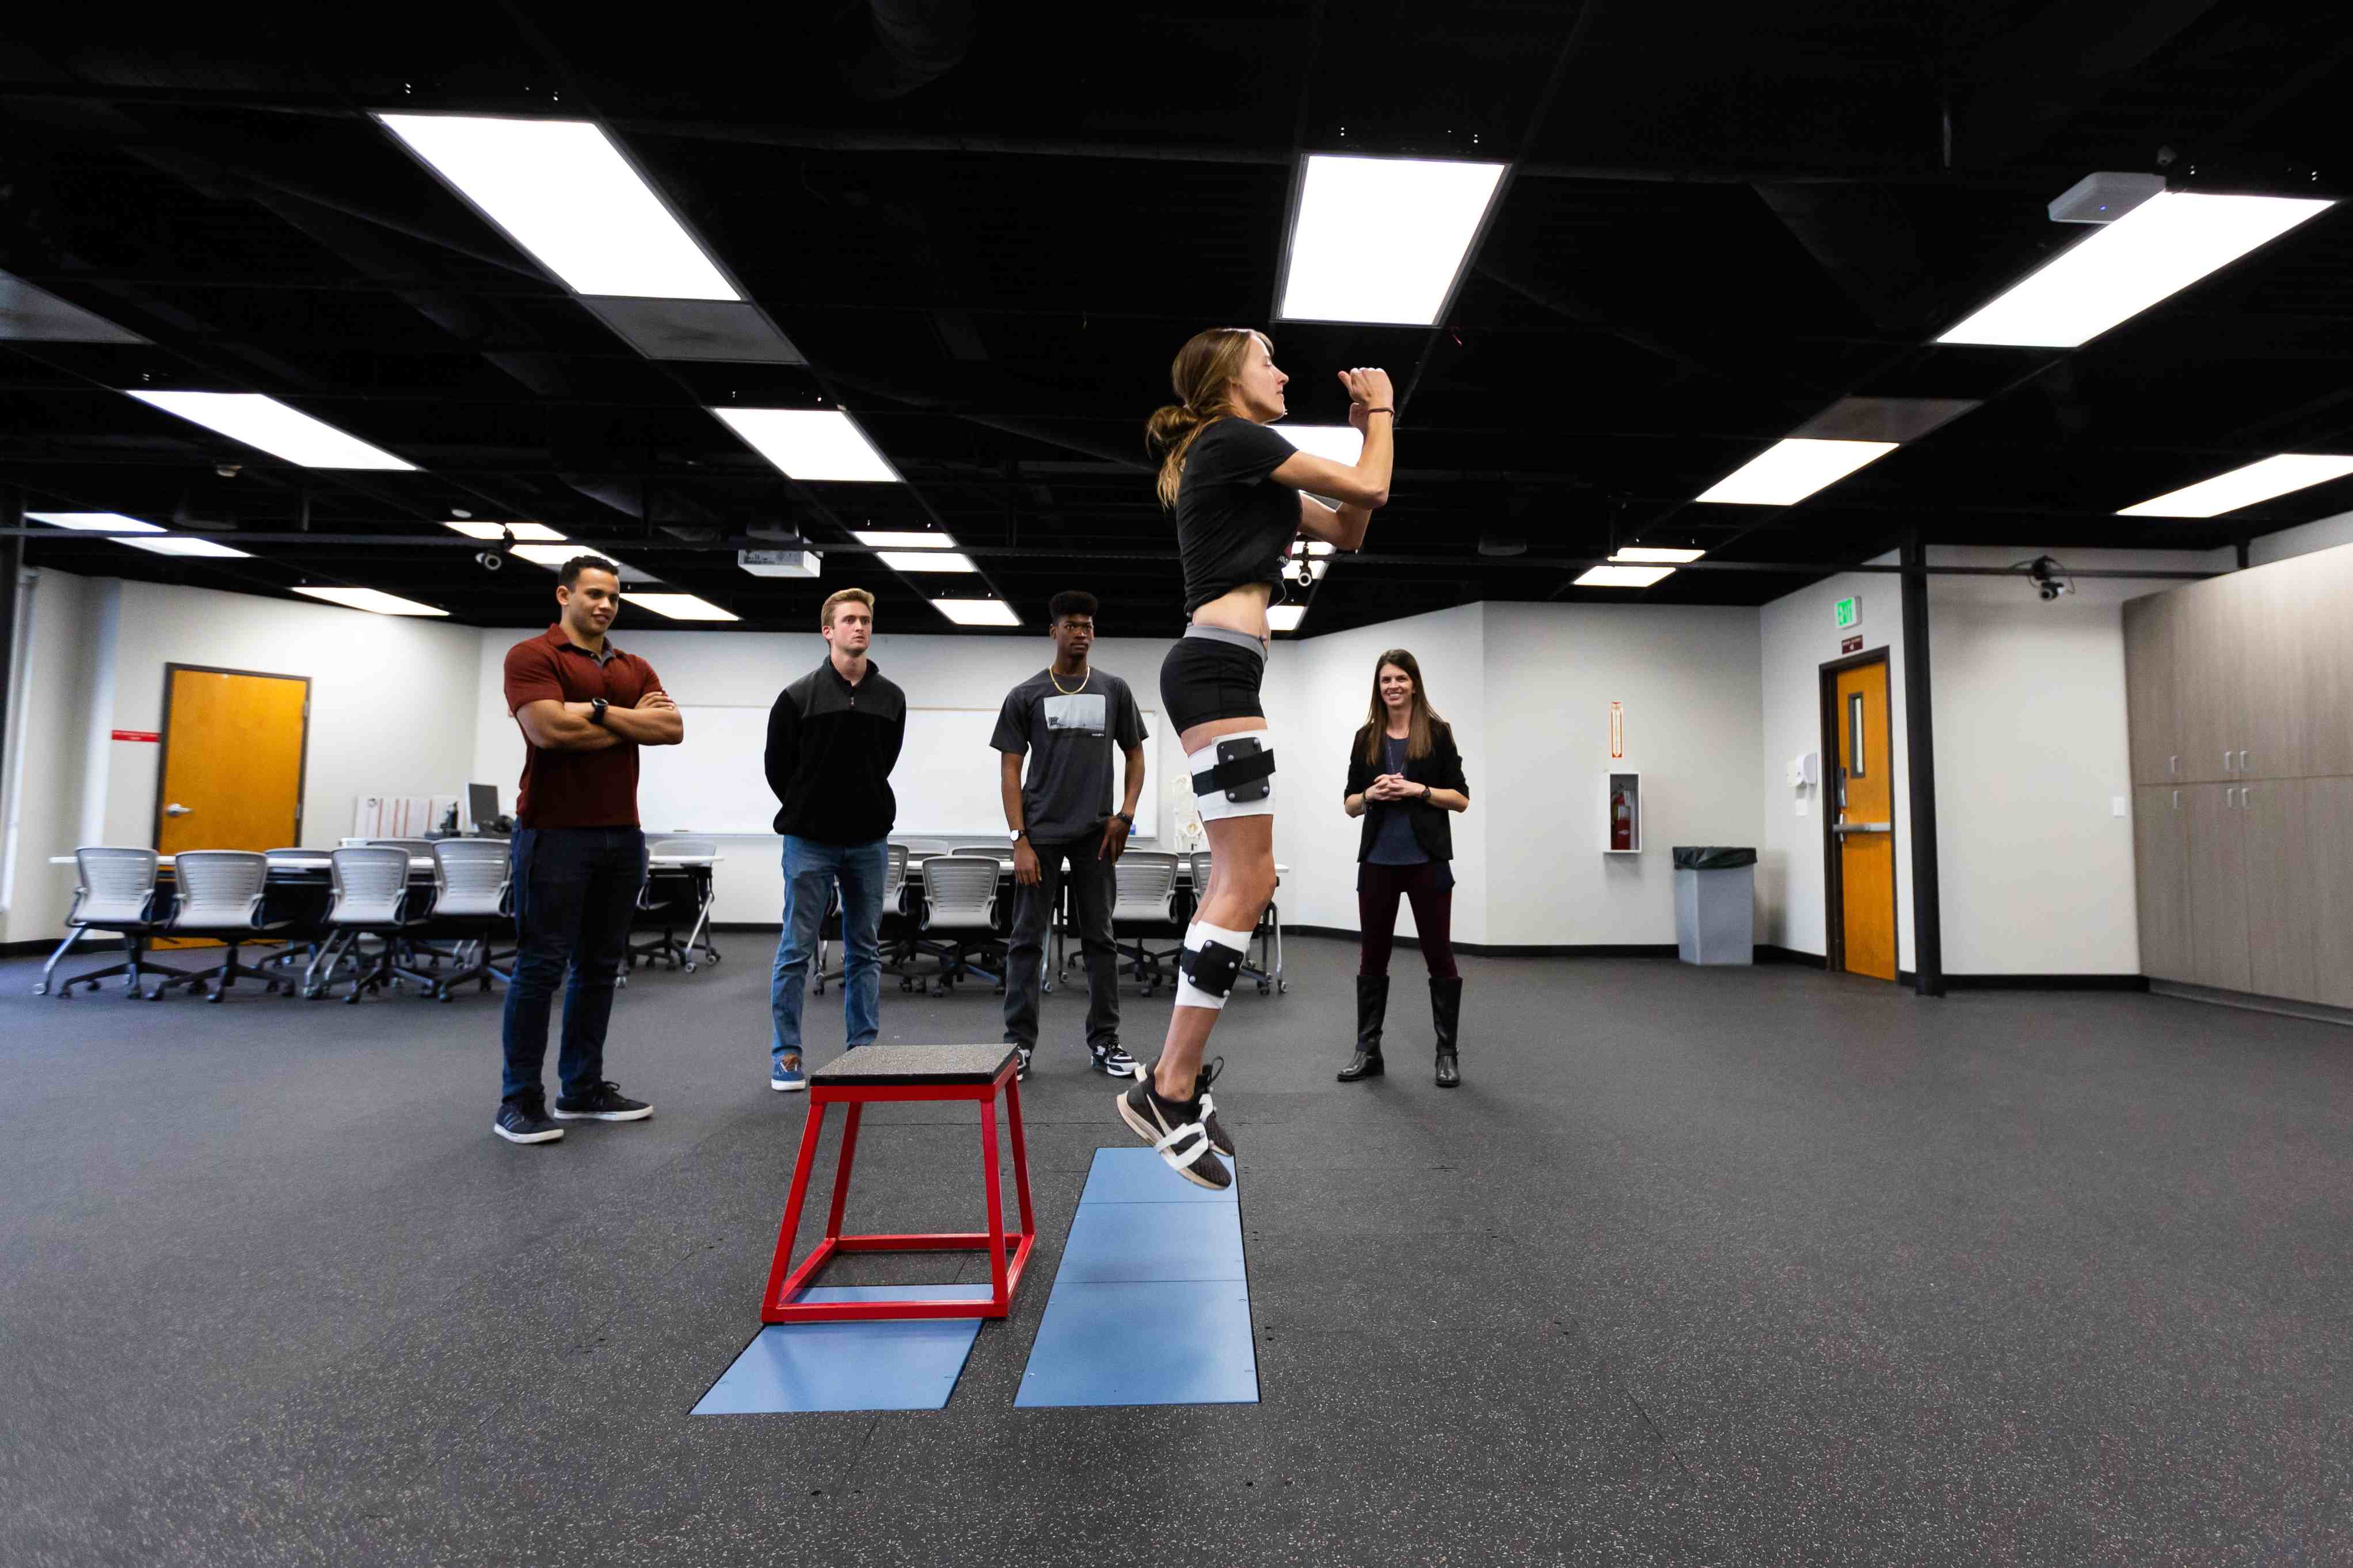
x=2218, y=887
x=2149, y=695
x=2239, y=695
x=2328, y=830
x=2161, y=862
x=2280, y=917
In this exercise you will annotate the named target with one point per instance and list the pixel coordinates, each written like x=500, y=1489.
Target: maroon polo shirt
x=576, y=789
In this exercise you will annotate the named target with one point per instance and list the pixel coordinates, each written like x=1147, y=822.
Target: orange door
x=1865, y=829
x=232, y=760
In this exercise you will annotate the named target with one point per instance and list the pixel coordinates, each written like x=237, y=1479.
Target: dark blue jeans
x=575, y=888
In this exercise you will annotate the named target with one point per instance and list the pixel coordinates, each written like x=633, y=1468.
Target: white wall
x=387, y=709
x=51, y=746
x=2326, y=533
x=1688, y=680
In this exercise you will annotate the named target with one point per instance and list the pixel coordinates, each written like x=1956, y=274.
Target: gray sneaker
x=526, y=1123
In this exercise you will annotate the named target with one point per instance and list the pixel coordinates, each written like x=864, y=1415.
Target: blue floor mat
x=850, y=1366
x=1151, y=1303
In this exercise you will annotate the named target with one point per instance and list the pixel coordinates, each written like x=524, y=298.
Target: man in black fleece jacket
x=833, y=738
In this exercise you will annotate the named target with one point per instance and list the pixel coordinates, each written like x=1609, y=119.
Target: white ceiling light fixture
x=977, y=612
x=925, y=560
x=1645, y=554
x=525, y=533
x=371, y=600
x=903, y=539
x=1427, y=211
x=1285, y=617
x=1342, y=444
x=2245, y=487
x=1623, y=576
x=811, y=443
x=274, y=427
x=563, y=191
x=151, y=537
x=2162, y=245
x=679, y=607
x=1789, y=470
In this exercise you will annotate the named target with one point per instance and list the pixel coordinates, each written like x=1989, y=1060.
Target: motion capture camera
x=496, y=555
x=2049, y=578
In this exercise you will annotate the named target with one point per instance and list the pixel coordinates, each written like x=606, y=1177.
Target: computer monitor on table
x=482, y=806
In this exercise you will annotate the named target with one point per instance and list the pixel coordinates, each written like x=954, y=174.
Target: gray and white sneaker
x=526, y=1123
x=1173, y=1128
x=1111, y=1062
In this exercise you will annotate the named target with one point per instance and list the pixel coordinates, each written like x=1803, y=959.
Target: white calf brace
x=1250, y=753
x=1212, y=955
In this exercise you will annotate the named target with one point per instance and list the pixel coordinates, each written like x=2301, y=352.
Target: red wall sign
x=1617, y=730
x=1850, y=644
x=139, y=735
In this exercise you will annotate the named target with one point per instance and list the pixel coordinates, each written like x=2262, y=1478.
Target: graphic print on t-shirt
x=1077, y=711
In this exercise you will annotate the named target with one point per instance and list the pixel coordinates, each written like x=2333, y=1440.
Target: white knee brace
x=1233, y=775
x=1213, y=959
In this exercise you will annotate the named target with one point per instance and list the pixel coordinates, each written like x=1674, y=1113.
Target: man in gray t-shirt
x=1068, y=720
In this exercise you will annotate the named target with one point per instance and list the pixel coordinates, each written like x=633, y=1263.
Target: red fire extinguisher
x=1622, y=819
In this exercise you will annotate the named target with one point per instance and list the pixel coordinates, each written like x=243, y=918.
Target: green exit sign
x=1848, y=612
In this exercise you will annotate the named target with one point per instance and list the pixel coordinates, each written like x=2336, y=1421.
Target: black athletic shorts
x=1211, y=673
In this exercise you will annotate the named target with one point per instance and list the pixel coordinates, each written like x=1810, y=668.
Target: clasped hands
x=1393, y=786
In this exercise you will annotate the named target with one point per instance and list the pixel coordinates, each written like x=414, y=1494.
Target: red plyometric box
x=785, y=1281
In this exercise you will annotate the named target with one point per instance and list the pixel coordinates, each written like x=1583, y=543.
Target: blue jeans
x=811, y=869
x=574, y=891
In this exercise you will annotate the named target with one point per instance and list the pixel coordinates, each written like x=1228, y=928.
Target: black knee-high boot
x=1445, y=1014
x=1372, y=1005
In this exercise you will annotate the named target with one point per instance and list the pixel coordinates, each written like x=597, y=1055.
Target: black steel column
x=12, y=557
x=1920, y=755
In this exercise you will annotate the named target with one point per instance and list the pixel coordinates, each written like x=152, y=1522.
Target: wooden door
x=233, y=754
x=2329, y=840
x=1865, y=827
x=2326, y=663
x=2218, y=885
x=2279, y=888
x=2162, y=861
x=2151, y=692
x=2276, y=604
x=2209, y=670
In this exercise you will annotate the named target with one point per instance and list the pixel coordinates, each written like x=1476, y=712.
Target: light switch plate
x=2118, y=805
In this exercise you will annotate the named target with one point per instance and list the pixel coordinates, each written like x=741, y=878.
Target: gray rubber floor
x=1703, y=1266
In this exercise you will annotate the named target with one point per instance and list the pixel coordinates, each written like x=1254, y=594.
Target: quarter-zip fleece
x=831, y=747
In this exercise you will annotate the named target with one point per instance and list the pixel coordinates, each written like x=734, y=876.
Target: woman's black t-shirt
x=1234, y=523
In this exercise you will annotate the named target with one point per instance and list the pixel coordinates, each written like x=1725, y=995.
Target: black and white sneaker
x=1220, y=1139
x=526, y=1123
x=606, y=1102
x=1111, y=1062
x=1021, y=1063
x=1174, y=1128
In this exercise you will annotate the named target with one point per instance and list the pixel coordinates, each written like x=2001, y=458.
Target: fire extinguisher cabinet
x=1621, y=814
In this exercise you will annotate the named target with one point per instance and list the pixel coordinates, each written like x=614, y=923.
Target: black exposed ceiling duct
x=910, y=44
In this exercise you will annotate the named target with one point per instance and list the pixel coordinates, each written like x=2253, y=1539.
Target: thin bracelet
x=1390, y=412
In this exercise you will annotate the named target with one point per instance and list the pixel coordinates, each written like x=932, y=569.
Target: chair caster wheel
x=690, y=969
x=1264, y=989
x=1282, y=987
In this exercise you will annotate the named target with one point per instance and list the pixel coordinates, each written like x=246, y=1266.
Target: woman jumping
x=1235, y=487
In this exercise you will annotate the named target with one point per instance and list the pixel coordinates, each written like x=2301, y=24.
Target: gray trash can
x=1716, y=904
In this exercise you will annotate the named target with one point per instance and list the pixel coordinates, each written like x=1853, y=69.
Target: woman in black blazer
x=1404, y=779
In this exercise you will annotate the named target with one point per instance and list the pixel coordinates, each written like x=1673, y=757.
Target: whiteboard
x=945, y=781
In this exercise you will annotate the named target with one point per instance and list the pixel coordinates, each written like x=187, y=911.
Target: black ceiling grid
x=1722, y=223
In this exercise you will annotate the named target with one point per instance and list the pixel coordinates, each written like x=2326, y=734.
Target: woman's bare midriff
x=1241, y=609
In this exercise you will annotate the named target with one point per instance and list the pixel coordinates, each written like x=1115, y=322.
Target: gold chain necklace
x=1074, y=690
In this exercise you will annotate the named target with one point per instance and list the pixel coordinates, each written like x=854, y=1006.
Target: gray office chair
x=222, y=895
x=671, y=892
x=371, y=898
x=114, y=890
x=471, y=902
x=960, y=903
x=1145, y=904
x=1268, y=936
x=997, y=852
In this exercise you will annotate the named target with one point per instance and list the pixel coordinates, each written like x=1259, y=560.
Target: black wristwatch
x=597, y=706
x=1126, y=816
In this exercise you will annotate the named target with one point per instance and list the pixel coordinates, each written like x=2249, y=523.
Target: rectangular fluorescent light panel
x=811, y=443
x=1341, y=443
x=525, y=533
x=562, y=191
x=903, y=539
x=925, y=560
x=1623, y=576
x=1643, y=553
x=1788, y=471
x=184, y=545
x=370, y=599
x=1425, y=212
x=977, y=612
x=679, y=607
x=2166, y=244
x=2244, y=487
x=1285, y=617
x=85, y=521
x=266, y=423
